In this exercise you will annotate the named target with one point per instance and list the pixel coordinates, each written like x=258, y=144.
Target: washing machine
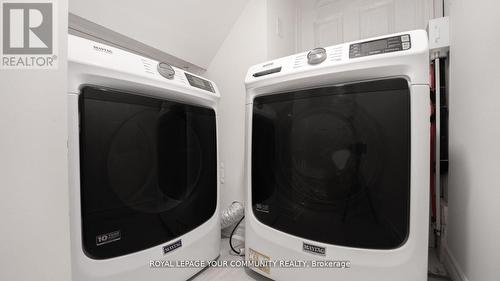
x=337, y=155
x=143, y=154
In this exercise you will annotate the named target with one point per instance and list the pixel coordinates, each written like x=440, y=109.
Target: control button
x=406, y=45
x=166, y=70
x=405, y=38
x=316, y=56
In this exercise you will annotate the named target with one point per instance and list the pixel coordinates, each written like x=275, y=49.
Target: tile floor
x=244, y=274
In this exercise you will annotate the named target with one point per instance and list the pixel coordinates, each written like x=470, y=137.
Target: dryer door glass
x=148, y=171
x=332, y=164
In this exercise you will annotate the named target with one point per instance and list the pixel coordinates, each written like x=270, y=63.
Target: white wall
x=474, y=185
x=34, y=220
x=245, y=45
x=192, y=30
x=281, y=28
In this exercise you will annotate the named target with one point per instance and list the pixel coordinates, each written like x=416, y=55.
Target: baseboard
x=453, y=267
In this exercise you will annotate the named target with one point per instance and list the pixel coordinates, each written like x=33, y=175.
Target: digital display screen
x=374, y=46
x=380, y=46
x=199, y=83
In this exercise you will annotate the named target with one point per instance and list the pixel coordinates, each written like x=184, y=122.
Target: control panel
x=115, y=61
x=380, y=46
x=381, y=50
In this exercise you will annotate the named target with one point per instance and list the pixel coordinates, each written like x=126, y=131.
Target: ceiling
x=192, y=30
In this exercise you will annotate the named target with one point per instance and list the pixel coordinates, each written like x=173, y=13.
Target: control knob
x=166, y=70
x=316, y=56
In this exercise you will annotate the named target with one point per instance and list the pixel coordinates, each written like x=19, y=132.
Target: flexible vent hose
x=232, y=214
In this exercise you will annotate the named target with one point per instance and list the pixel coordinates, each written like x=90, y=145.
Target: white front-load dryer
x=143, y=154
x=337, y=162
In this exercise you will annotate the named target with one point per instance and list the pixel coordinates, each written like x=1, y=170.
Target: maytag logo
x=28, y=35
x=170, y=247
x=314, y=249
x=102, y=49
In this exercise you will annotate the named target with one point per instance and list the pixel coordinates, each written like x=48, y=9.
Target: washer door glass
x=332, y=164
x=148, y=171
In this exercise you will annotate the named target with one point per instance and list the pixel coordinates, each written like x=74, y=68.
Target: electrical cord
x=231, y=236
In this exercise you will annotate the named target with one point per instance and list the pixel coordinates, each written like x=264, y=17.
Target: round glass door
x=332, y=164
x=148, y=170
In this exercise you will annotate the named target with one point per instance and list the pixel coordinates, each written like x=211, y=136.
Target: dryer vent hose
x=232, y=214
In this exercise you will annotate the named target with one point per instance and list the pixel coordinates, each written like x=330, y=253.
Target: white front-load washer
x=143, y=154
x=337, y=162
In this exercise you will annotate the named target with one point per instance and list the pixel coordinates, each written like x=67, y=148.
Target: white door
x=323, y=23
